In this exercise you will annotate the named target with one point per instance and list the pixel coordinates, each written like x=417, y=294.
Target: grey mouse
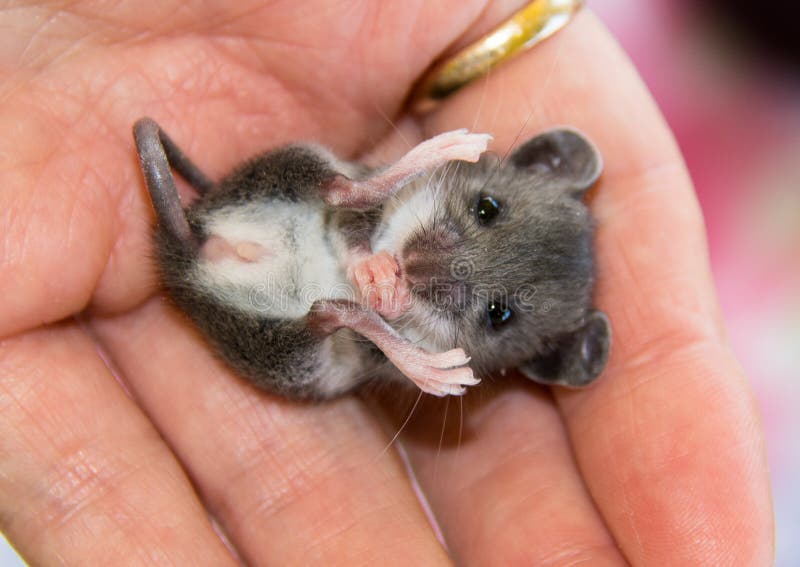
x=312, y=275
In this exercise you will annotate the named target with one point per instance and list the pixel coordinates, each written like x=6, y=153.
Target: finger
x=501, y=480
x=84, y=478
x=291, y=483
x=648, y=436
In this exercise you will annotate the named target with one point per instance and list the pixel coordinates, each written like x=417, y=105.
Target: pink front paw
x=379, y=285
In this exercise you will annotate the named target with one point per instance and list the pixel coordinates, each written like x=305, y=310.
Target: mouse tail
x=153, y=159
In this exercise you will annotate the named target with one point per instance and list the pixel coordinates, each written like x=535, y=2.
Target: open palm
x=660, y=462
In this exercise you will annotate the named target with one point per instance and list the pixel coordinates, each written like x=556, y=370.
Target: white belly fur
x=300, y=265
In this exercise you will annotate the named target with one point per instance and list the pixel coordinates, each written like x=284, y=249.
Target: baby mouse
x=311, y=275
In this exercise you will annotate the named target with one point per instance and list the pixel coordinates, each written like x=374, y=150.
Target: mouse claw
x=446, y=390
x=440, y=374
x=447, y=382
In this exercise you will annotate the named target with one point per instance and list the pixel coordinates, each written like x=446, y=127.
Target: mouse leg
x=430, y=154
x=440, y=374
x=578, y=358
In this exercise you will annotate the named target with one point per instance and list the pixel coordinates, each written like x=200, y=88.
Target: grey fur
x=537, y=255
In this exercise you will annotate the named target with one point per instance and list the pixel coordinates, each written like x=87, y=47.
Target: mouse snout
x=426, y=256
x=421, y=268
x=428, y=269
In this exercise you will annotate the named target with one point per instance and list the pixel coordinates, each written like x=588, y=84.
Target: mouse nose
x=426, y=255
x=420, y=268
x=428, y=277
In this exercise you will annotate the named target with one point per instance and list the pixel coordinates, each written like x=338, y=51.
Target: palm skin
x=660, y=462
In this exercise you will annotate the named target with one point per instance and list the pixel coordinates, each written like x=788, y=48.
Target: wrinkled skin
x=660, y=462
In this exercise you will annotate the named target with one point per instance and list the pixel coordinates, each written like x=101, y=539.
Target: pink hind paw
x=378, y=284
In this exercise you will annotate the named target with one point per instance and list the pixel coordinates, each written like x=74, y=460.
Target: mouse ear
x=577, y=359
x=563, y=153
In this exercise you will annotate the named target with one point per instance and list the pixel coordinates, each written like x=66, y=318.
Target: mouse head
x=501, y=261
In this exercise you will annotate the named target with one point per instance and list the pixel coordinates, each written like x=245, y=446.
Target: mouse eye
x=498, y=314
x=487, y=210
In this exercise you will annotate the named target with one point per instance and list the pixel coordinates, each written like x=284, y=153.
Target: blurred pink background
x=735, y=111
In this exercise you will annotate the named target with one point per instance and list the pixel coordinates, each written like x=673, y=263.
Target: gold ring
x=536, y=21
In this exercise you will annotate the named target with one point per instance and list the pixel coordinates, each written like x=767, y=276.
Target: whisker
x=402, y=426
x=460, y=425
x=483, y=98
x=392, y=124
x=441, y=440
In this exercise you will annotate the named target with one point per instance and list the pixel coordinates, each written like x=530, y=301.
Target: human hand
x=660, y=462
